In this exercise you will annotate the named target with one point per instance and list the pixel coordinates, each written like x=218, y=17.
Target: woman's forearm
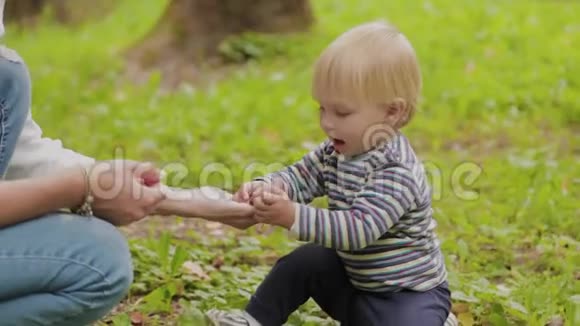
x=200, y=207
x=25, y=199
x=207, y=203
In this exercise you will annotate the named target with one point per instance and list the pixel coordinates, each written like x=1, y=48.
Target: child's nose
x=326, y=125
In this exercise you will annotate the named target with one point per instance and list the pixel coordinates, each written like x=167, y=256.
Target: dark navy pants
x=312, y=271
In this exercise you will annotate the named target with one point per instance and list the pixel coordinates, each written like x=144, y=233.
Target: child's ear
x=396, y=111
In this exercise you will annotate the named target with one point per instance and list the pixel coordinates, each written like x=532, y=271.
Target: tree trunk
x=190, y=31
x=26, y=12
x=23, y=11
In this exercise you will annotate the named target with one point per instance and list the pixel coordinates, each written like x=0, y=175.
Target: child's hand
x=249, y=191
x=246, y=191
x=274, y=208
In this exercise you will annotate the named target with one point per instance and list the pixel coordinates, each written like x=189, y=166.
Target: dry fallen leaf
x=271, y=135
x=195, y=269
x=556, y=321
x=218, y=262
x=217, y=233
x=489, y=53
x=565, y=187
x=214, y=225
x=136, y=319
x=465, y=319
x=216, y=229
x=470, y=67
x=460, y=308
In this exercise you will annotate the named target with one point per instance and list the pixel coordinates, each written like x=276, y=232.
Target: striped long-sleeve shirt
x=379, y=215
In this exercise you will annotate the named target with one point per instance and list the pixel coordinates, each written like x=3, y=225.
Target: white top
x=2, y=2
x=34, y=154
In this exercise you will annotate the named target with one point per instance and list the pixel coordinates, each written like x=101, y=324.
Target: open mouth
x=337, y=142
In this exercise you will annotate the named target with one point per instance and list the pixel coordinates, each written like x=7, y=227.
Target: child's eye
x=342, y=114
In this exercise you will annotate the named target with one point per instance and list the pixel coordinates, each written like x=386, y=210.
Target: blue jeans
x=62, y=269
x=14, y=103
x=57, y=269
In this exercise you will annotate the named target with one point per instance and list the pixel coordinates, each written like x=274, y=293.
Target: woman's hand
x=121, y=195
x=118, y=188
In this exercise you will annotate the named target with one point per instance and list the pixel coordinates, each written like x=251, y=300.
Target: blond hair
x=370, y=64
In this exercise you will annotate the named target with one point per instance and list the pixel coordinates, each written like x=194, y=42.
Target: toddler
x=372, y=257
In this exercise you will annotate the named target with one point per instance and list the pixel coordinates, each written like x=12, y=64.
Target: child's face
x=352, y=128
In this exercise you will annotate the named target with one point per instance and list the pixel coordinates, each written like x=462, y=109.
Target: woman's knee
x=106, y=255
x=83, y=265
x=110, y=255
x=102, y=249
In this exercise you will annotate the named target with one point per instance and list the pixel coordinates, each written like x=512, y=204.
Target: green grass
x=502, y=82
